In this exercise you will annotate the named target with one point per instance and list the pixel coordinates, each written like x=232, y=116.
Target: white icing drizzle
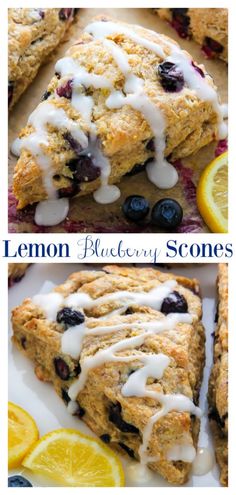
x=153, y=365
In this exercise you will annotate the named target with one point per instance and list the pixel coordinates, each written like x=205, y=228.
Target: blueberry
x=18, y=481
x=171, y=77
x=65, y=89
x=116, y=418
x=77, y=370
x=214, y=45
x=84, y=169
x=61, y=368
x=150, y=145
x=198, y=69
x=214, y=415
x=65, y=14
x=174, y=303
x=70, y=317
x=127, y=449
x=135, y=208
x=23, y=342
x=41, y=13
x=167, y=213
x=139, y=167
x=105, y=438
x=65, y=396
x=10, y=92
x=80, y=411
x=46, y=95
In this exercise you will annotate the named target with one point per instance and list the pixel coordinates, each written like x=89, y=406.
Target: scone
x=208, y=27
x=218, y=384
x=16, y=271
x=33, y=35
x=124, y=348
x=122, y=96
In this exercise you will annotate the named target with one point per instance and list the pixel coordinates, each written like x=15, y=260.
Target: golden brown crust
x=40, y=339
x=33, y=35
x=123, y=133
x=218, y=384
x=205, y=23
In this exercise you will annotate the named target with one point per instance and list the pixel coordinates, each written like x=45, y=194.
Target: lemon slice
x=22, y=434
x=212, y=194
x=74, y=459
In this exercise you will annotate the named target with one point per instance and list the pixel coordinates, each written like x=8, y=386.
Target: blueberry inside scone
x=124, y=349
x=122, y=97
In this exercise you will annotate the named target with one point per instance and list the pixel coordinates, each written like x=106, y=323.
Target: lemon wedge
x=22, y=434
x=212, y=194
x=74, y=459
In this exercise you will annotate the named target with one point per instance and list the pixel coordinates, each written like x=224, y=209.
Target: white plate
x=40, y=400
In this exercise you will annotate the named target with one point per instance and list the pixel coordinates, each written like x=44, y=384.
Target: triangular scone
x=133, y=367
x=208, y=27
x=218, y=383
x=32, y=35
x=111, y=105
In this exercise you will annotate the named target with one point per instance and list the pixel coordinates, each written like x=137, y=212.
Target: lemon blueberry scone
x=16, y=271
x=124, y=348
x=208, y=27
x=122, y=96
x=33, y=35
x=218, y=384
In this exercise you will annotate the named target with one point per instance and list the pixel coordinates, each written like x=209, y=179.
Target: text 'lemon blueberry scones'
x=122, y=96
x=208, y=27
x=33, y=34
x=124, y=348
x=218, y=384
